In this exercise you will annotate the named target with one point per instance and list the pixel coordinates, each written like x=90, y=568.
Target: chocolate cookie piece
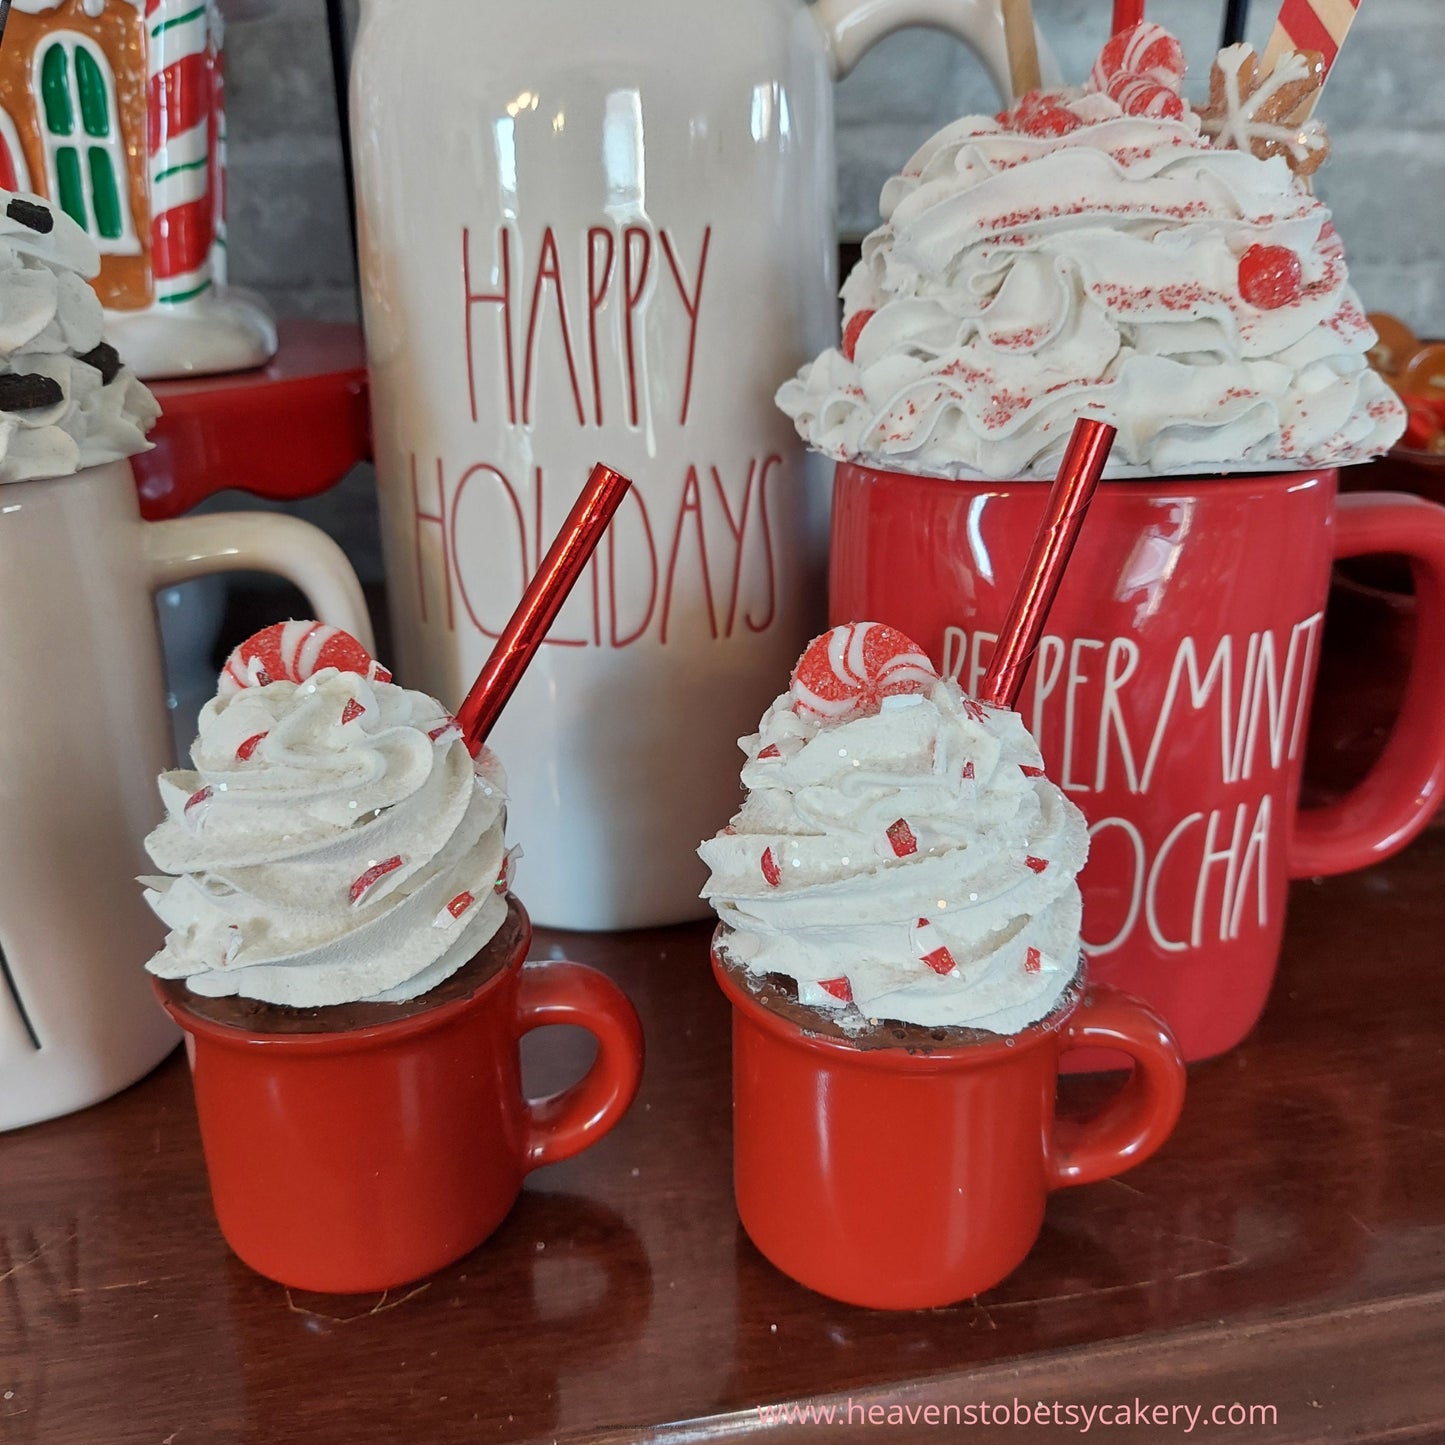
x=105, y=359
x=25, y=393
x=38, y=218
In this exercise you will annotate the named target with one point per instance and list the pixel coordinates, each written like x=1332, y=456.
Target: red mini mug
x=904, y=1180
x=355, y=1161
x=1170, y=696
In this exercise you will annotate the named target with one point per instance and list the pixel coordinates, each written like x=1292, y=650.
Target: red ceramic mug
x=354, y=1161
x=1170, y=696
x=901, y=1180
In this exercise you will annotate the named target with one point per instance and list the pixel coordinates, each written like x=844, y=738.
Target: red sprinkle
x=351, y=711
x=940, y=960
x=243, y=753
x=840, y=988
x=771, y=751
x=1029, y=772
x=968, y=769
x=372, y=876
x=851, y=332
x=900, y=835
x=197, y=798
x=771, y=871
x=1270, y=277
x=1037, y=864
x=1033, y=961
x=460, y=904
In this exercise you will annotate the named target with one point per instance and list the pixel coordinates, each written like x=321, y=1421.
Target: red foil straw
x=1063, y=516
x=540, y=604
x=1127, y=14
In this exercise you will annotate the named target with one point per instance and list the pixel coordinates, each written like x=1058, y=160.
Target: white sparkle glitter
x=221, y=787
x=973, y=897
x=352, y=803
x=842, y=752
x=942, y=903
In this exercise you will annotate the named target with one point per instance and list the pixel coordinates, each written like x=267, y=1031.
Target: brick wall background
x=1385, y=106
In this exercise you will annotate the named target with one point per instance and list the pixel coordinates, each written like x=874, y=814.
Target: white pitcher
x=83, y=733
x=606, y=232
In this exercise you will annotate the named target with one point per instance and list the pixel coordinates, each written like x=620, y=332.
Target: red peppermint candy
x=197, y=806
x=1033, y=961
x=900, y=837
x=1148, y=51
x=840, y=988
x=243, y=753
x=771, y=751
x=1029, y=772
x=351, y=711
x=968, y=769
x=453, y=910
x=853, y=668
x=1041, y=113
x=1270, y=277
x=932, y=948
x=1036, y=864
x=771, y=871
x=373, y=875
x=853, y=330
x=1143, y=95
x=292, y=652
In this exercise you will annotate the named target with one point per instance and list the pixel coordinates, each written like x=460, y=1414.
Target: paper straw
x=1236, y=18
x=1022, y=44
x=1319, y=25
x=541, y=603
x=1127, y=14
x=1063, y=516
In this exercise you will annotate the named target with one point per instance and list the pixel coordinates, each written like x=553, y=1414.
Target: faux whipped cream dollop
x=66, y=401
x=333, y=843
x=924, y=865
x=1019, y=281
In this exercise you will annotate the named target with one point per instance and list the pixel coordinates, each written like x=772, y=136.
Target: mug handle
x=1133, y=1125
x=561, y=992
x=852, y=26
x=188, y=547
x=1396, y=800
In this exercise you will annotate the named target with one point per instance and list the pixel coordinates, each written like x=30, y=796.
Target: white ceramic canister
x=606, y=232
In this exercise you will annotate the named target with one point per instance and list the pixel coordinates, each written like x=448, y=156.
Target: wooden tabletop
x=1285, y=1250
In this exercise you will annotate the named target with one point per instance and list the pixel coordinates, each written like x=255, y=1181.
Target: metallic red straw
x=540, y=604
x=1063, y=516
x=1127, y=14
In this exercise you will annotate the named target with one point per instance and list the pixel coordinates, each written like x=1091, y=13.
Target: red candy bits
x=853, y=668
x=1039, y=113
x=840, y=988
x=770, y=868
x=1270, y=277
x=901, y=838
x=294, y=651
x=851, y=332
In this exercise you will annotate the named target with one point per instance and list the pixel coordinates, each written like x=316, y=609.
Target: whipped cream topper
x=903, y=854
x=334, y=841
x=1093, y=252
x=66, y=401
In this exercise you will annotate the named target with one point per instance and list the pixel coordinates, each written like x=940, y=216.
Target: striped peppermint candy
x=1148, y=52
x=185, y=143
x=294, y=651
x=854, y=667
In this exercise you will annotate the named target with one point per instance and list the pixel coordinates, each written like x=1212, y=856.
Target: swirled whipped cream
x=66, y=401
x=333, y=843
x=900, y=854
x=1070, y=258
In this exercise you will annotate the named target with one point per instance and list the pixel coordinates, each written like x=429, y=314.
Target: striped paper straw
x=1310, y=25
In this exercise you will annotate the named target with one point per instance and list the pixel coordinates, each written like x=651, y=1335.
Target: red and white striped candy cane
x=1310, y=25
x=183, y=47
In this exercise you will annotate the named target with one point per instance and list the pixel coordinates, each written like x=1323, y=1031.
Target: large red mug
x=354, y=1161
x=898, y=1179
x=1170, y=696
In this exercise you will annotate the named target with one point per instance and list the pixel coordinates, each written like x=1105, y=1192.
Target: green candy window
x=83, y=150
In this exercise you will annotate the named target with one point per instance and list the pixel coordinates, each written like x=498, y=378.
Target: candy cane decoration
x=183, y=45
x=1319, y=25
x=294, y=651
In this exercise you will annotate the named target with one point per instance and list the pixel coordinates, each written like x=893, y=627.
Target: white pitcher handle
x=190, y=547
x=852, y=26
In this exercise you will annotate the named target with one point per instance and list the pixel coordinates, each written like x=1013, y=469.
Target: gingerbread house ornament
x=113, y=110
